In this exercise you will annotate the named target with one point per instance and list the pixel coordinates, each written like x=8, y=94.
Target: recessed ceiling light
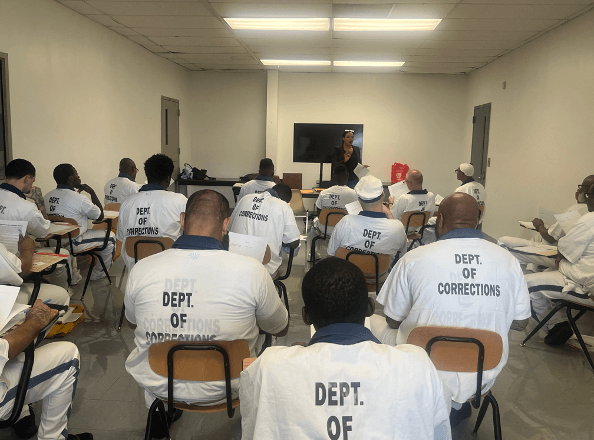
x=368, y=63
x=295, y=63
x=390, y=24
x=280, y=24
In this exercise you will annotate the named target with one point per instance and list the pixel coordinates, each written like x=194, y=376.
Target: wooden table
x=311, y=193
x=42, y=262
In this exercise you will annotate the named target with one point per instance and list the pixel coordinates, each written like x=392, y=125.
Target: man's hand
x=85, y=187
x=387, y=211
x=391, y=200
x=537, y=223
x=26, y=245
x=40, y=315
x=558, y=260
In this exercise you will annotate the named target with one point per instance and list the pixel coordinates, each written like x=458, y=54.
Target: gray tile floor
x=543, y=392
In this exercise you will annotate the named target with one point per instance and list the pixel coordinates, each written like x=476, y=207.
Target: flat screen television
x=313, y=143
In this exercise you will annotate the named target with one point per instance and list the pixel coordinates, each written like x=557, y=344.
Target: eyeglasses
x=456, y=170
x=587, y=195
x=582, y=188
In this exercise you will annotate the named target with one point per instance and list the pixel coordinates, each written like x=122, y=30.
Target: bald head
x=128, y=166
x=456, y=212
x=414, y=180
x=588, y=181
x=207, y=214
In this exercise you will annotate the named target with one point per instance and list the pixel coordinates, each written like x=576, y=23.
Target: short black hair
x=19, y=168
x=158, y=168
x=62, y=172
x=207, y=205
x=340, y=174
x=284, y=191
x=335, y=291
x=266, y=167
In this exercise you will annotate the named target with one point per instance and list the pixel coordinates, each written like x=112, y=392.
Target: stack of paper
x=397, y=190
x=9, y=234
x=248, y=245
x=438, y=199
x=360, y=171
x=567, y=220
x=11, y=312
x=353, y=208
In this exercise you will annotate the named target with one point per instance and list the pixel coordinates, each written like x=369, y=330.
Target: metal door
x=480, y=142
x=170, y=131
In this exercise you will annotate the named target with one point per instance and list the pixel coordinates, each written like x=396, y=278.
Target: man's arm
x=543, y=231
x=26, y=248
x=519, y=325
x=36, y=319
x=94, y=198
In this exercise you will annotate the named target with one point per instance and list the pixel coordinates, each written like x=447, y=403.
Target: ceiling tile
x=311, y=39
x=478, y=44
x=264, y=10
x=377, y=44
x=436, y=70
x=447, y=59
x=398, y=54
x=447, y=66
x=219, y=58
x=421, y=10
x=479, y=35
x=211, y=66
x=124, y=30
x=396, y=35
x=361, y=11
x=459, y=52
x=155, y=48
x=276, y=53
x=205, y=49
x=321, y=2
x=195, y=41
x=172, y=22
x=150, y=8
x=164, y=32
x=142, y=40
x=105, y=20
x=80, y=7
x=515, y=11
x=367, y=2
x=487, y=24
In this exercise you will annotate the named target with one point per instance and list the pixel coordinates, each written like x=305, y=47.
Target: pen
x=45, y=302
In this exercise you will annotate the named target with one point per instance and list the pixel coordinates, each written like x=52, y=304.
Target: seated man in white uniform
x=547, y=236
x=263, y=181
x=226, y=296
x=268, y=214
x=120, y=188
x=53, y=378
x=20, y=175
x=573, y=280
x=344, y=383
x=154, y=211
x=66, y=201
x=335, y=197
x=461, y=280
x=417, y=198
x=373, y=230
x=471, y=187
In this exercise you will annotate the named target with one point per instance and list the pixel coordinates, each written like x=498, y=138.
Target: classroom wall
x=413, y=119
x=83, y=94
x=228, y=118
x=541, y=132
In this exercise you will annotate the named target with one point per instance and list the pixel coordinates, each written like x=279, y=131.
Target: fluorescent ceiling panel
x=368, y=63
x=295, y=63
x=280, y=24
x=379, y=25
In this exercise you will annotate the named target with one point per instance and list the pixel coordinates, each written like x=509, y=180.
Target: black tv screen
x=313, y=143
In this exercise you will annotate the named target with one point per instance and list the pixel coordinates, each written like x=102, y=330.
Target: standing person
x=120, y=188
x=348, y=155
x=471, y=187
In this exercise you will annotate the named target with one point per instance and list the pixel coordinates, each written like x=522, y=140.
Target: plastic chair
x=278, y=280
x=464, y=350
x=327, y=217
x=299, y=210
x=150, y=246
x=569, y=306
x=195, y=361
x=414, y=219
x=93, y=252
x=370, y=264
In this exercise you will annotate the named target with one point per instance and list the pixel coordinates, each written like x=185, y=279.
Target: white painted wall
x=541, y=132
x=414, y=119
x=228, y=119
x=80, y=93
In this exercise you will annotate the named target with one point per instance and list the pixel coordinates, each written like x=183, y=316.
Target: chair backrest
x=148, y=246
x=414, y=219
x=296, y=202
x=365, y=262
x=267, y=255
x=458, y=356
x=112, y=207
x=331, y=216
x=294, y=180
x=203, y=365
x=55, y=218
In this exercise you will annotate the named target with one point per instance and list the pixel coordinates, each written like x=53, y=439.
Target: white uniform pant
x=545, y=286
x=510, y=243
x=95, y=238
x=53, y=381
x=57, y=295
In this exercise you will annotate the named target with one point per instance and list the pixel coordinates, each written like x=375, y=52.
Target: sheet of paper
x=249, y=245
x=58, y=227
x=438, y=199
x=567, y=220
x=8, y=296
x=527, y=225
x=111, y=214
x=397, y=190
x=353, y=208
x=9, y=234
x=544, y=250
x=547, y=216
x=361, y=171
x=71, y=318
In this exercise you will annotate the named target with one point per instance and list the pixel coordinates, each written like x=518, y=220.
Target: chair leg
x=159, y=408
x=578, y=334
x=481, y=415
x=496, y=415
x=68, y=274
x=91, y=267
x=312, y=255
x=122, y=277
x=123, y=313
x=104, y=268
x=542, y=322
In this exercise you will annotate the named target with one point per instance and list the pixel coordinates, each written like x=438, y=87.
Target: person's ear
x=226, y=225
x=182, y=219
x=440, y=221
x=305, y=316
x=370, y=307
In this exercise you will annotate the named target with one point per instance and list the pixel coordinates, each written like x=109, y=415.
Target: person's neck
x=17, y=184
x=346, y=146
x=217, y=235
x=376, y=208
x=164, y=183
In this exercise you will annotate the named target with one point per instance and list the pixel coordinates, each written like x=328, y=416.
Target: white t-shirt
x=197, y=295
x=255, y=186
x=368, y=232
x=335, y=197
x=10, y=268
x=12, y=207
x=414, y=201
x=578, y=249
x=119, y=189
x=457, y=282
x=69, y=203
x=477, y=191
x=365, y=391
x=263, y=215
x=556, y=230
x=151, y=214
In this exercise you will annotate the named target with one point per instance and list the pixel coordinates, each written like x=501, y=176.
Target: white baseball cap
x=467, y=169
x=369, y=189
